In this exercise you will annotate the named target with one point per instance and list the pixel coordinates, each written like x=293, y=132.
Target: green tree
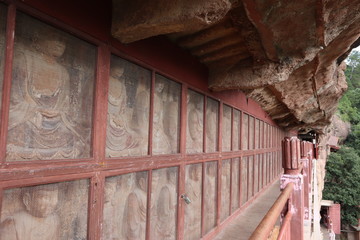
x=342, y=183
x=348, y=112
x=353, y=70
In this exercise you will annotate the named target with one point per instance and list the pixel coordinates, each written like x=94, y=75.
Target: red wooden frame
x=98, y=167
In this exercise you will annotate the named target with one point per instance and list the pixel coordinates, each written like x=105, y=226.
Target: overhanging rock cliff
x=287, y=55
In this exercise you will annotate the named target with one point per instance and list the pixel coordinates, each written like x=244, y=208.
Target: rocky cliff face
x=337, y=128
x=287, y=55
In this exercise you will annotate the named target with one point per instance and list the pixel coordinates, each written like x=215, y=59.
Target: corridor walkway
x=244, y=225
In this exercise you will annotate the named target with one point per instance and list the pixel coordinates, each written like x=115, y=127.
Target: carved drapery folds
x=51, y=95
x=193, y=186
x=127, y=130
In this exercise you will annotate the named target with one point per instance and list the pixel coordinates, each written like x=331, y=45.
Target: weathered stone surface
x=135, y=20
x=285, y=54
x=338, y=128
x=302, y=68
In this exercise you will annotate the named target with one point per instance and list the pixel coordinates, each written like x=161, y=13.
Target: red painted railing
x=267, y=224
x=292, y=205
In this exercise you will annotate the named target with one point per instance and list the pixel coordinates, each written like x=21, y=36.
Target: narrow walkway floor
x=244, y=225
x=325, y=233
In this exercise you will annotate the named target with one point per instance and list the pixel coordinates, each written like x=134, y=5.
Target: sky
x=354, y=49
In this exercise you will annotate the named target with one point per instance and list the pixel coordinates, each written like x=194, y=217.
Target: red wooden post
x=291, y=154
x=311, y=157
x=307, y=185
x=306, y=175
x=335, y=217
x=291, y=164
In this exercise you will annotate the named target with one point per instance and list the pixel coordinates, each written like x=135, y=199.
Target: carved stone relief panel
x=275, y=140
x=276, y=169
x=235, y=170
x=257, y=134
x=277, y=162
x=127, y=128
x=245, y=132
x=226, y=129
x=275, y=137
x=273, y=143
x=280, y=160
x=2, y=45
x=268, y=167
x=166, y=127
x=256, y=174
x=164, y=196
x=212, y=123
x=272, y=165
x=270, y=135
x=193, y=190
x=244, y=180
x=266, y=135
x=265, y=169
x=280, y=156
x=236, y=130
x=225, y=189
x=210, y=196
x=261, y=134
x=250, y=176
x=51, y=95
x=260, y=157
x=48, y=212
x=195, y=122
x=125, y=206
x=251, y=133
x=280, y=137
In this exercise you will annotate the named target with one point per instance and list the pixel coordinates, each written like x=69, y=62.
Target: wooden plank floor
x=243, y=226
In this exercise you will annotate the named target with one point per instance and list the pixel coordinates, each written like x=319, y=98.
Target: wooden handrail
x=285, y=225
x=268, y=222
